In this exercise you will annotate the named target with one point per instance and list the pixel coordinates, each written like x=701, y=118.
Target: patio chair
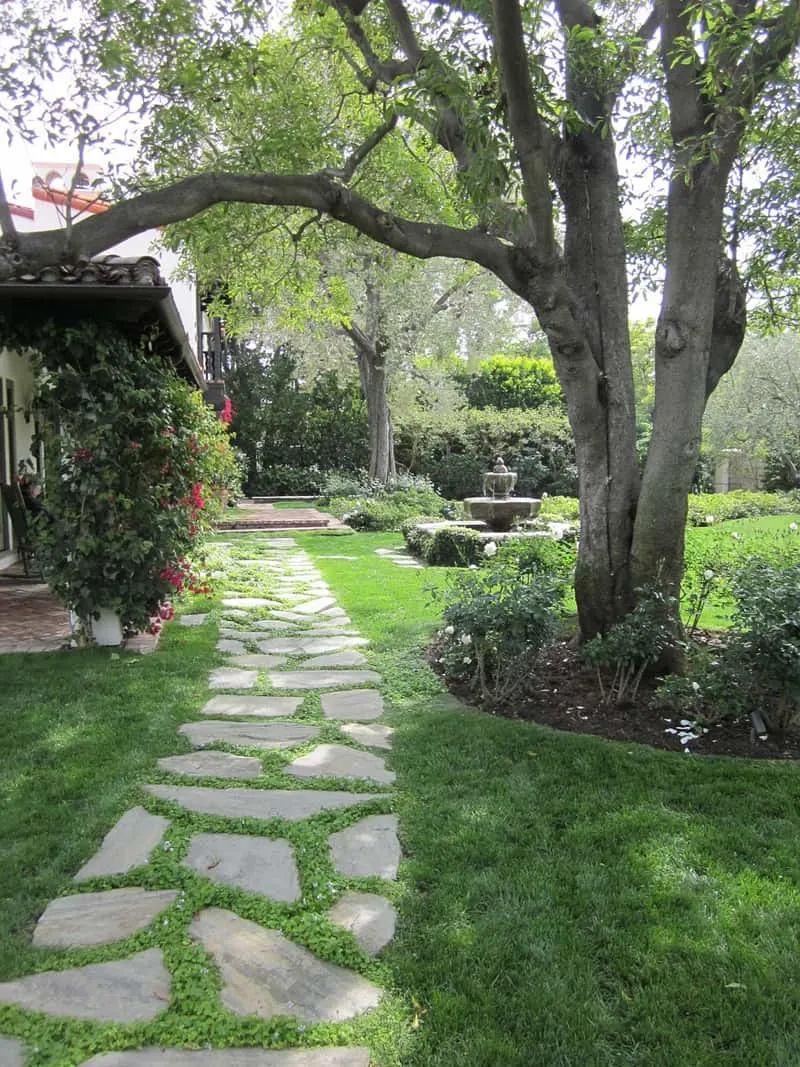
x=20, y=524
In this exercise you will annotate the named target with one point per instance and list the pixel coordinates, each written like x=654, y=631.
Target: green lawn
x=564, y=900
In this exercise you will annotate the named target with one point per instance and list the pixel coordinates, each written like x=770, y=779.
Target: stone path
x=287, y=618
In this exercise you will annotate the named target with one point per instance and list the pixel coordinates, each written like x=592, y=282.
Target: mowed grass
x=563, y=900
x=568, y=900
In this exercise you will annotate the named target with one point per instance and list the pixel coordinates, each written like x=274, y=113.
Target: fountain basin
x=499, y=513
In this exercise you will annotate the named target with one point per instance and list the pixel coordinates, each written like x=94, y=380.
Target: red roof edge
x=78, y=203
x=22, y=212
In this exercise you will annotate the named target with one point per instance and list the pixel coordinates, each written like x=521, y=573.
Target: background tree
x=512, y=382
x=527, y=105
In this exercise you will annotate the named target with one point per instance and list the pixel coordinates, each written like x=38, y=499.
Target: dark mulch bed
x=567, y=697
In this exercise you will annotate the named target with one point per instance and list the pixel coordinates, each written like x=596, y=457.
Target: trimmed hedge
x=449, y=546
x=705, y=509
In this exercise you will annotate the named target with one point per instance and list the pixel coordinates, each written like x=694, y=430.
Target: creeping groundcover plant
x=132, y=455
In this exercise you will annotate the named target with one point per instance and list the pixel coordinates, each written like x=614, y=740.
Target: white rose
x=709, y=519
x=466, y=639
x=490, y=549
x=449, y=629
x=708, y=575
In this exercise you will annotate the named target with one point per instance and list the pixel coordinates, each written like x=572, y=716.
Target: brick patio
x=31, y=619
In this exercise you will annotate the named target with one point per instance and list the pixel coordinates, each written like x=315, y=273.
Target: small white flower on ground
x=708, y=575
x=490, y=549
x=466, y=639
x=709, y=519
x=449, y=629
x=792, y=525
x=736, y=536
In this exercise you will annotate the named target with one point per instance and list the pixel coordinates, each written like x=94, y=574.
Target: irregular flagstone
x=256, y=864
x=126, y=845
x=336, y=613
x=349, y=658
x=247, y=602
x=271, y=624
x=193, y=620
x=87, y=919
x=279, y=542
x=289, y=616
x=370, y=918
x=232, y=678
x=12, y=1053
x=227, y=644
x=315, y=606
x=235, y=613
x=329, y=631
x=238, y=803
x=231, y=1057
x=339, y=761
x=265, y=974
x=368, y=849
x=254, y=734
x=259, y=661
x=245, y=635
x=210, y=764
x=388, y=551
x=369, y=736
x=322, y=679
x=124, y=991
x=262, y=707
x=409, y=564
x=362, y=705
x=310, y=646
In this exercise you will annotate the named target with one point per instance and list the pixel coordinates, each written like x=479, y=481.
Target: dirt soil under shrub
x=567, y=697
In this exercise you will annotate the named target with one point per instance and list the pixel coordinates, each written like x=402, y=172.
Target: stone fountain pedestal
x=496, y=508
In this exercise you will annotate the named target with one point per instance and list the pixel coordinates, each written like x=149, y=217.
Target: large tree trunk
x=372, y=372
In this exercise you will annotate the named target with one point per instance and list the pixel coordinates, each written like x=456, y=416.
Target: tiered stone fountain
x=497, y=508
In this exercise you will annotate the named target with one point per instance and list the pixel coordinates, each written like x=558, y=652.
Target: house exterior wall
x=16, y=434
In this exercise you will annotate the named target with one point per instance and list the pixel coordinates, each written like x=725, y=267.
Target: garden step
x=368, y=849
x=339, y=761
x=322, y=679
x=12, y=1053
x=349, y=658
x=124, y=991
x=310, y=646
x=315, y=606
x=362, y=705
x=255, y=864
x=126, y=845
x=369, y=736
x=262, y=707
x=232, y=678
x=232, y=1057
x=265, y=974
x=370, y=918
x=193, y=620
x=259, y=661
x=238, y=803
x=228, y=644
x=87, y=919
x=210, y=764
x=232, y=601
x=253, y=734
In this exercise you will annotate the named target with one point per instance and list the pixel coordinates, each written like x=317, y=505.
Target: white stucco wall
x=16, y=371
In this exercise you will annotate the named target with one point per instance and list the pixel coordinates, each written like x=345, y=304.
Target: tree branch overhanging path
x=526, y=109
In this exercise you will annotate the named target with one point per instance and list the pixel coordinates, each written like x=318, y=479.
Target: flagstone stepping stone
x=280, y=542
x=310, y=646
x=368, y=849
x=232, y=678
x=12, y=1053
x=87, y=919
x=234, y=613
x=124, y=991
x=388, y=551
x=128, y=844
x=370, y=918
x=337, y=613
x=271, y=624
x=259, y=661
x=227, y=644
x=339, y=761
x=314, y=607
x=238, y=803
x=290, y=616
x=253, y=734
x=232, y=1057
x=362, y=705
x=322, y=679
x=244, y=635
x=337, y=659
x=193, y=620
x=265, y=974
x=339, y=557
x=247, y=602
x=328, y=631
x=210, y=764
x=409, y=564
x=255, y=864
x=261, y=707
x=369, y=736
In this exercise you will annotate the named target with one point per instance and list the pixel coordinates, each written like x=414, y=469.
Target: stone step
x=349, y=658
x=269, y=735
x=12, y=1053
x=255, y=864
x=124, y=991
x=265, y=974
x=310, y=646
x=128, y=844
x=368, y=849
x=339, y=761
x=238, y=803
x=370, y=918
x=210, y=764
x=232, y=678
x=253, y=706
x=88, y=919
x=369, y=736
x=363, y=705
x=322, y=679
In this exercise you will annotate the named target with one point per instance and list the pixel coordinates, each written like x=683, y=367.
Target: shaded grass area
x=568, y=900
